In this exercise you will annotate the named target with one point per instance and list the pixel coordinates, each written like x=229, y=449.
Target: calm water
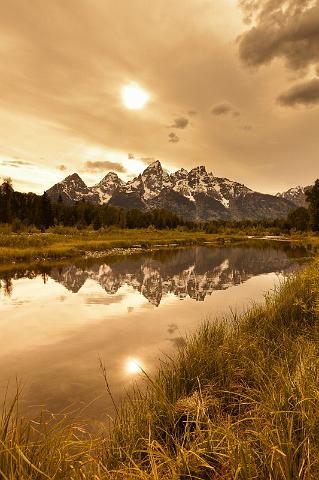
x=56, y=322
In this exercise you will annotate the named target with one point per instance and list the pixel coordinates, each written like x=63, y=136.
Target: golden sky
x=232, y=85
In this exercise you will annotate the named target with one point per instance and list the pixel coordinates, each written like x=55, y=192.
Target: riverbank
x=73, y=243
x=67, y=243
x=240, y=400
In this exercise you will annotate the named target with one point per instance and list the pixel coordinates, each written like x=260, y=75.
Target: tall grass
x=239, y=401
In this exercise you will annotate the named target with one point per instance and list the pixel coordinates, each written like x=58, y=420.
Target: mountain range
x=194, y=194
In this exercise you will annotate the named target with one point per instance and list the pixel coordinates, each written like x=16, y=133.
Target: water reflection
x=193, y=272
x=134, y=366
x=57, y=321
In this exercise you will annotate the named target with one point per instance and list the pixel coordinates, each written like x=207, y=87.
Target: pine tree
x=6, y=193
x=312, y=197
x=46, y=215
x=299, y=219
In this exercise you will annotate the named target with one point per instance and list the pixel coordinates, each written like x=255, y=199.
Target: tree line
x=23, y=210
x=28, y=209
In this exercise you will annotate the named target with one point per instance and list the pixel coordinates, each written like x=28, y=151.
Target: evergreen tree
x=97, y=223
x=299, y=219
x=312, y=197
x=46, y=215
x=6, y=192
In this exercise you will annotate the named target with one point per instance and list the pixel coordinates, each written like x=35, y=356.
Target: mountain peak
x=111, y=176
x=296, y=195
x=73, y=178
x=201, y=169
x=156, y=165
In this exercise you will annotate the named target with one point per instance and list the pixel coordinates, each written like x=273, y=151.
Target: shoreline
x=23, y=248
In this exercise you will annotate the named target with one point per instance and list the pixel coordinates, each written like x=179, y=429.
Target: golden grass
x=26, y=247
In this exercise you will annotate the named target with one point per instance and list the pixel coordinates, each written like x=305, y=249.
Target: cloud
x=221, y=109
x=16, y=163
x=62, y=168
x=147, y=160
x=282, y=29
x=224, y=108
x=305, y=93
x=96, y=166
x=180, y=122
x=173, y=138
x=247, y=128
x=191, y=113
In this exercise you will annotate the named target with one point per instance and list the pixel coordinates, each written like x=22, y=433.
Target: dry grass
x=71, y=242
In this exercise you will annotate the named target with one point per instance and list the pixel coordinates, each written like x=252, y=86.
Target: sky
x=229, y=84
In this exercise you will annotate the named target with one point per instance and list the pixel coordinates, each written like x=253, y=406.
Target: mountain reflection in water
x=191, y=272
x=56, y=321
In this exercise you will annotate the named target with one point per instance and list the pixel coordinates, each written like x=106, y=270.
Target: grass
x=239, y=401
x=71, y=242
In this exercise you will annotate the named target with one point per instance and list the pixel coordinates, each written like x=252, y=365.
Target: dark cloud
x=16, y=163
x=62, y=168
x=282, y=29
x=173, y=138
x=180, y=122
x=221, y=109
x=305, y=93
x=96, y=166
x=224, y=108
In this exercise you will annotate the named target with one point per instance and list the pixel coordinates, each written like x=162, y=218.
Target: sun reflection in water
x=133, y=366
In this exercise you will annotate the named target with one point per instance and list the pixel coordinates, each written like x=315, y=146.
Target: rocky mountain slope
x=195, y=195
x=296, y=195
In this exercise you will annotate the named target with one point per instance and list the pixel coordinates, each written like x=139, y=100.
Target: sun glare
x=134, y=97
x=133, y=366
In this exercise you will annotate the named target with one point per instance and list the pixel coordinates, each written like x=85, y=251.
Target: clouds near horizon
x=102, y=165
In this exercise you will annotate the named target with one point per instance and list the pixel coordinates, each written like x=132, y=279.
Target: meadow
x=64, y=242
x=239, y=401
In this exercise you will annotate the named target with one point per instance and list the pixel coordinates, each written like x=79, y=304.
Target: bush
x=17, y=226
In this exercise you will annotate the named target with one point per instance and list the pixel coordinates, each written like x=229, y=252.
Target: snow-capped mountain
x=107, y=186
x=72, y=189
x=296, y=195
x=195, y=194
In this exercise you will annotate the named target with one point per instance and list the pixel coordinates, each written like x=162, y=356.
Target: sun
x=134, y=97
x=133, y=366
